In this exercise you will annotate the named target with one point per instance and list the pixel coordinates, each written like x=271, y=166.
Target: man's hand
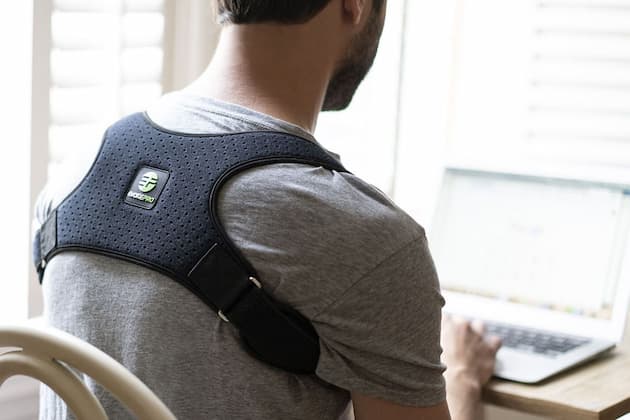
x=469, y=359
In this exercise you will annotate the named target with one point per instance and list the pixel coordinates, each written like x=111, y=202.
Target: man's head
x=358, y=57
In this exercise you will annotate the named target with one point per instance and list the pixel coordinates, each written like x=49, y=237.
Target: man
x=324, y=242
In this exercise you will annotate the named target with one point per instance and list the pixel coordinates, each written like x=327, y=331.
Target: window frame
x=40, y=121
x=424, y=105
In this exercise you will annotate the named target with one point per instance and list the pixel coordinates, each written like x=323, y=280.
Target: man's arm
x=369, y=408
x=469, y=357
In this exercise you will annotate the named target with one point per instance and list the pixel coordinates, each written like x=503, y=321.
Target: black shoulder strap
x=150, y=198
x=272, y=332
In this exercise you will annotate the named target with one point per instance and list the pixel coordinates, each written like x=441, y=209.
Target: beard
x=354, y=66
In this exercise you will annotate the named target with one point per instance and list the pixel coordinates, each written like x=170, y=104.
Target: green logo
x=148, y=182
x=146, y=187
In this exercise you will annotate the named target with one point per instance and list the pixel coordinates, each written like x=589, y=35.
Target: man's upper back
x=328, y=244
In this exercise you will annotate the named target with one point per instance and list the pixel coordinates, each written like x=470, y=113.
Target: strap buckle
x=256, y=283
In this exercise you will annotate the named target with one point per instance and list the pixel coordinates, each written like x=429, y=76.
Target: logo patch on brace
x=148, y=182
x=146, y=187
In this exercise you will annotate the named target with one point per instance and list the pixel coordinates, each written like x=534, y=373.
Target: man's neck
x=274, y=69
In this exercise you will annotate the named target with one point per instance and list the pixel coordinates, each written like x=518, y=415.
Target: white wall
x=15, y=109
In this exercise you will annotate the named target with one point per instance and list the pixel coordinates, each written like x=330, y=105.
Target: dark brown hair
x=280, y=11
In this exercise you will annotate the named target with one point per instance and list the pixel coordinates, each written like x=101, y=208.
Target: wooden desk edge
x=536, y=406
x=536, y=403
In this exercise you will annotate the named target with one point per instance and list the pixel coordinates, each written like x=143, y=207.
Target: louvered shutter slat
x=141, y=65
x=78, y=68
x=143, y=29
x=71, y=30
x=133, y=96
x=144, y=5
x=83, y=5
x=77, y=105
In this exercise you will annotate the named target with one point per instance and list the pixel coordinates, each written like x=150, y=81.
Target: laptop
x=545, y=262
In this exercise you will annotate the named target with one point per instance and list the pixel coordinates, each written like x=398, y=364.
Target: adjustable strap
x=275, y=333
x=44, y=242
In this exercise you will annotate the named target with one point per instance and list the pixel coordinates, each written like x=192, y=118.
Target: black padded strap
x=276, y=334
x=37, y=255
x=219, y=278
x=44, y=242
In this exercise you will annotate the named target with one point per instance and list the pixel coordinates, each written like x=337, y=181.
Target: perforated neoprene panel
x=173, y=235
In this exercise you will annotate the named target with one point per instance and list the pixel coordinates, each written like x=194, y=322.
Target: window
x=365, y=134
x=105, y=62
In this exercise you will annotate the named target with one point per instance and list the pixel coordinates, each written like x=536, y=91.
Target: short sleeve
x=381, y=337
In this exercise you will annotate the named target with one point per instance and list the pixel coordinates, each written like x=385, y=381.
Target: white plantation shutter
x=543, y=79
x=580, y=80
x=106, y=61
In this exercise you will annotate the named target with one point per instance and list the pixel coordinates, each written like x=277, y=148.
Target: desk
x=598, y=390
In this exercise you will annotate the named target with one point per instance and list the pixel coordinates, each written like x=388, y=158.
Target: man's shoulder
x=317, y=198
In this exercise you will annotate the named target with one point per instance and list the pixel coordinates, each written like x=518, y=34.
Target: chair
x=47, y=354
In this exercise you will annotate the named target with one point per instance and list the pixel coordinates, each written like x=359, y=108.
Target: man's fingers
x=457, y=319
x=494, y=342
x=478, y=327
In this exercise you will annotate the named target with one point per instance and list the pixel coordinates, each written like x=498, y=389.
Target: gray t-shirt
x=327, y=243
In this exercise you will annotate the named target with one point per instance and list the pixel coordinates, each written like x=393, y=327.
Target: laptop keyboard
x=534, y=341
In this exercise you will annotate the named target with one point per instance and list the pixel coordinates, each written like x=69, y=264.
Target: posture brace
x=150, y=197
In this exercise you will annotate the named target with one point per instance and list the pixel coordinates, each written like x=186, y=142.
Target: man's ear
x=354, y=10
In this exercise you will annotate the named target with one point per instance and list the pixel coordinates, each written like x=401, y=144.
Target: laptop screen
x=549, y=243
